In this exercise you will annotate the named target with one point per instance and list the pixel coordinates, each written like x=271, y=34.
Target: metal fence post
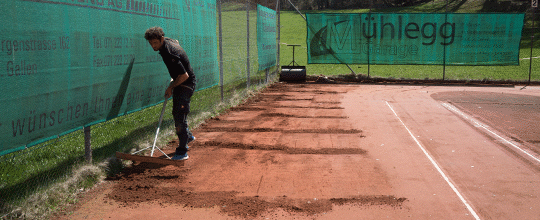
x=444, y=49
x=369, y=42
x=267, y=70
x=87, y=144
x=220, y=49
x=247, y=41
x=278, y=33
x=533, y=8
x=444, y=46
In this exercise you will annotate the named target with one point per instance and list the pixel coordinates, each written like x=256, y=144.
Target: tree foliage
x=325, y=4
x=453, y=5
x=343, y=4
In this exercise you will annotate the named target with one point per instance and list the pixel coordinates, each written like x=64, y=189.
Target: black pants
x=181, y=107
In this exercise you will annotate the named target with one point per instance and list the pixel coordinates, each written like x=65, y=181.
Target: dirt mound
x=146, y=182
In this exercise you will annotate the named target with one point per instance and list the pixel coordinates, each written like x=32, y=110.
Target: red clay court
x=346, y=151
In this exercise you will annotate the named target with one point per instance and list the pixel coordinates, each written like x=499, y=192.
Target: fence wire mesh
x=50, y=161
x=527, y=69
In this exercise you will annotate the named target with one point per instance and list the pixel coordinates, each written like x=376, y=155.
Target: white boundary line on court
x=471, y=210
x=528, y=58
x=478, y=124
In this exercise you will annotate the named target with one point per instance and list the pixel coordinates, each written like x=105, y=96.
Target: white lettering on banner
x=85, y=57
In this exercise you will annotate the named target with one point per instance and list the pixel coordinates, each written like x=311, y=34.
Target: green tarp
x=73, y=63
x=266, y=37
x=414, y=38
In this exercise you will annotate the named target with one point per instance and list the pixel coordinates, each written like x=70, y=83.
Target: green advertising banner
x=415, y=38
x=74, y=63
x=266, y=37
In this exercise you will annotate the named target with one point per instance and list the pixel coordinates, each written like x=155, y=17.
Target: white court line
x=528, y=58
x=478, y=124
x=471, y=210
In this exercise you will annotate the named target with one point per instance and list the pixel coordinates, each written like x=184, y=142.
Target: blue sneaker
x=190, y=139
x=180, y=157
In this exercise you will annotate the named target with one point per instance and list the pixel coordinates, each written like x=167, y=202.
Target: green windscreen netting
x=266, y=37
x=71, y=63
x=414, y=38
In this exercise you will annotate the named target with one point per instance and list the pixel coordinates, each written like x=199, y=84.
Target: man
x=181, y=87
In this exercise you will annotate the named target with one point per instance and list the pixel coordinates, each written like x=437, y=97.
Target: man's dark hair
x=154, y=33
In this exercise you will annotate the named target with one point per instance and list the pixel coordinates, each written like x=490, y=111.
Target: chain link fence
x=528, y=70
x=240, y=77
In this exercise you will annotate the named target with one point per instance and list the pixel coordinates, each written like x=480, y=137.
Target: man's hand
x=168, y=92
x=179, y=80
